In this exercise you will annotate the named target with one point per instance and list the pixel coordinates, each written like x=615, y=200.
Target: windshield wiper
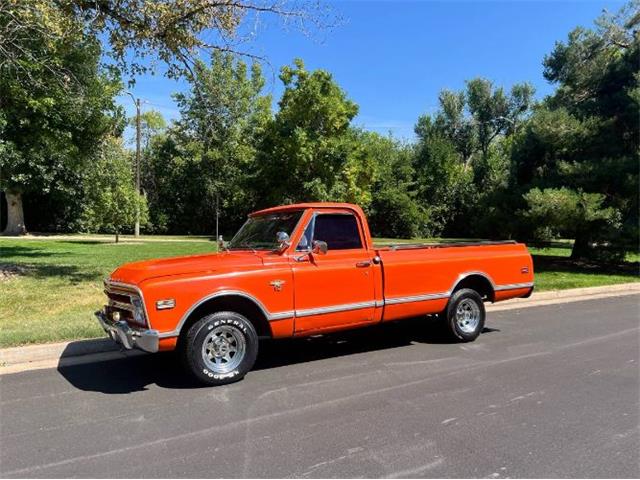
x=242, y=246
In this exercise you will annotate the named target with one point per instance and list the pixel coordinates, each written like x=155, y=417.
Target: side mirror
x=283, y=240
x=320, y=247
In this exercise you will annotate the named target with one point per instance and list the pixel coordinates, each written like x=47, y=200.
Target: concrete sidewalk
x=33, y=357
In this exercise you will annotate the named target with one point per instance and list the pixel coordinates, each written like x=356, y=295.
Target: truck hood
x=137, y=272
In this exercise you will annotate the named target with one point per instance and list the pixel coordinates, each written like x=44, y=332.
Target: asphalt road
x=545, y=392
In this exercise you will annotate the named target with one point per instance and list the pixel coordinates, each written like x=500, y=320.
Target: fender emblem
x=277, y=284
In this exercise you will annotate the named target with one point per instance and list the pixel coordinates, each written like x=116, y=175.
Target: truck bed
x=420, y=278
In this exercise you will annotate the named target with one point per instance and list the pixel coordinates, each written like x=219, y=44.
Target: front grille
x=123, y=299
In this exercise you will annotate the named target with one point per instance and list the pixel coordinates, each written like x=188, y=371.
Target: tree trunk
x=117, y=236
x=15, y=214
x=581, y=248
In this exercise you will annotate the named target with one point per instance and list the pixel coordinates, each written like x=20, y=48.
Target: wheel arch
x=478, y=281
x=233, y=301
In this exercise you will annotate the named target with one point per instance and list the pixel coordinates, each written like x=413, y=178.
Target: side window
x=307, y=237
x=340, y=231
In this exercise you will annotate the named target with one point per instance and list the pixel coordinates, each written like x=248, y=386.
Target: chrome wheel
x=467, y=316
x=223, y=349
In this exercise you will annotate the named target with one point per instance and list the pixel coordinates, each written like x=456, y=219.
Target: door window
x=340, y=231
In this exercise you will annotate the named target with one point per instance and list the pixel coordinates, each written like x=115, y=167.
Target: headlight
x=138, y=310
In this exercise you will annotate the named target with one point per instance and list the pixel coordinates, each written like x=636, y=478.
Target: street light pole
x=217, y=215
x=137, y=103
x=137, y=226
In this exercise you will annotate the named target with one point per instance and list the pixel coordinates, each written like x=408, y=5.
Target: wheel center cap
x=220, y=348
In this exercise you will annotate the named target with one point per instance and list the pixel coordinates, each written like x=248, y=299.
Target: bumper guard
x=128, y=337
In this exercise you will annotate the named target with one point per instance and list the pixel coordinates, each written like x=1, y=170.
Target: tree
x=493, y=111
x=471, y=120
x=152, y=127
x=574, y=214
x=174, y=31
x=210, y=152
x=394, y=211
x=462, y=157
x=51, y=51
x=582, y=146
x=49, y=125
x=452, y=123
x=111, y=198
x=152, y=123
x=444, y=183
x=311, y=144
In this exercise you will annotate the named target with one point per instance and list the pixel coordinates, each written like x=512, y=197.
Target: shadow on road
x=165, y=369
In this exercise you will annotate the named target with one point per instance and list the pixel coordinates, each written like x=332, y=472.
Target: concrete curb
x=34, y=357
x=552, y=297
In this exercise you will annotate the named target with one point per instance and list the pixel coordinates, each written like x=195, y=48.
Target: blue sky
x=393, y=57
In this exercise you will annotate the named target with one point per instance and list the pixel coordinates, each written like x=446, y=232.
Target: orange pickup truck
x=299, y=270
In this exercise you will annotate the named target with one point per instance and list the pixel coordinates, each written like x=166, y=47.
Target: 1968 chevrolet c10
x=299, y=270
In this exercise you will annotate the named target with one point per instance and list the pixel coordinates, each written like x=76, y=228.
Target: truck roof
x=303, y=206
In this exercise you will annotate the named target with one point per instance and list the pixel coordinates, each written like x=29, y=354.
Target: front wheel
x=465, y=314
x=220, y=348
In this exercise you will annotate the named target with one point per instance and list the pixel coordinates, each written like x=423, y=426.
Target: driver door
x=334, y=290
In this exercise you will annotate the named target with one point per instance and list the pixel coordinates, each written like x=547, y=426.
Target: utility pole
x=137, y=226
x=136, y=101
x=217, y=215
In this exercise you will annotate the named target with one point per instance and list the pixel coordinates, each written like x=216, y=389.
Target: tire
x=220, y=348
x=465, y=315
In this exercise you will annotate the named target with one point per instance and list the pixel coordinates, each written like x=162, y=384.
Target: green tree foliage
x=134, y=31
x=111, y=200
x=152, y=123
x=49, y=53
x=209, y=154
x=488, y=163
x=494, y=112
x=444, y=182
x=311, y=144
x=462, y=157
x=152, y=128
x=394, y=211
x=55, y=112
x=571, y=214
x=582, y=145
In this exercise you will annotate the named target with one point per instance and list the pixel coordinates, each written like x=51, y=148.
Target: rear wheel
x=465, y=315
x=220, y=348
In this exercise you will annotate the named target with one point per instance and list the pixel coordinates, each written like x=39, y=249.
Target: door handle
x=363, y=264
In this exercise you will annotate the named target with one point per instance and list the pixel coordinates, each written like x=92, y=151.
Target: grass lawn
x=50, y=286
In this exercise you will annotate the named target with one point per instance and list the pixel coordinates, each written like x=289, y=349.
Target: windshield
x=260, y=232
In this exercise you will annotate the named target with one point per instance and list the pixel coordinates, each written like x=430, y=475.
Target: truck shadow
x=136, y=373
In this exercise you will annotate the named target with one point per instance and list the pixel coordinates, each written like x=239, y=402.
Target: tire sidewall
x=457, y=297
x=197, y=335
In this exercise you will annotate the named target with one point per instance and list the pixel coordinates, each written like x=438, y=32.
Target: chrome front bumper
x=128, y=337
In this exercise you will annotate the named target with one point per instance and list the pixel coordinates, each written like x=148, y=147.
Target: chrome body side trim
x=416, y=298
x=340, y=308
x=334, y=309
x=281, y=315
x=464, y=275
x=513, y=286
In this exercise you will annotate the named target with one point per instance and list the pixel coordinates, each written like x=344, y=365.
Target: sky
x=393, y=57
